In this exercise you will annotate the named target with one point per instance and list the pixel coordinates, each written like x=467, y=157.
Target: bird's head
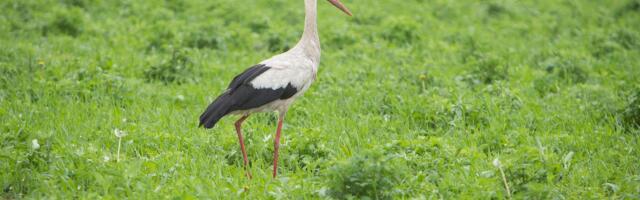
x=340, y=6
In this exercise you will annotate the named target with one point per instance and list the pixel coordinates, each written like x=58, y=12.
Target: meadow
x=416, y=99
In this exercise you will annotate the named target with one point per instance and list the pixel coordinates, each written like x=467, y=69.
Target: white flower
x=34, y=144
x=119, y=133
x=266, y=138
x=496, y=163
x=180, y=97
x=106, y=158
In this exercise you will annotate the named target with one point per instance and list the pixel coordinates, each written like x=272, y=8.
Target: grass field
x=425, y=99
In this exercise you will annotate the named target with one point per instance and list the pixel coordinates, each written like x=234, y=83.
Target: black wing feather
x=241, y=95
x=247, y=76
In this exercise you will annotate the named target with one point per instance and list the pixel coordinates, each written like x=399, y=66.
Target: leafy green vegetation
x=414, y=99
x=370, y=175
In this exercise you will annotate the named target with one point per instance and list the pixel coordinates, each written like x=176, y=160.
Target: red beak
x=340, y=6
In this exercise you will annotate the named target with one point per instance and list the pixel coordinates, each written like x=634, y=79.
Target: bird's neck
x=310, y=41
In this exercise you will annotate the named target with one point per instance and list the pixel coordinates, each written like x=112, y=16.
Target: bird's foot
x=249, y=175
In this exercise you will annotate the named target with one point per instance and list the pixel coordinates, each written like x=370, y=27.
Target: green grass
x=414, y=99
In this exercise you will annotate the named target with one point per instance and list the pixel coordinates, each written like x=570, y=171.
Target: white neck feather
x=310, y=41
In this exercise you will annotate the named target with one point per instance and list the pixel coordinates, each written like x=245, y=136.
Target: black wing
x=241, y=95
x=247, y=76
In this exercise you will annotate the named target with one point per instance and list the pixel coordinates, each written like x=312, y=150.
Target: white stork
x=273, y=84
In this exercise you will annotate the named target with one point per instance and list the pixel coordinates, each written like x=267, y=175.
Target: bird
x=273, y=84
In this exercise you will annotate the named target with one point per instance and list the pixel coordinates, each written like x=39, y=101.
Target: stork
x=273, y=84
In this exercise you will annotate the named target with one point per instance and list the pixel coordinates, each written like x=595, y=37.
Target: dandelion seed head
x=119, y=133
x=34, y=144
x=496, y=162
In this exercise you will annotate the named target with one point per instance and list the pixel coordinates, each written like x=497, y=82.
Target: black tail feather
x=216, y=110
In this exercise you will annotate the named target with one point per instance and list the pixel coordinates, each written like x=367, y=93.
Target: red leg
x=244, y=152
x=277, y=146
